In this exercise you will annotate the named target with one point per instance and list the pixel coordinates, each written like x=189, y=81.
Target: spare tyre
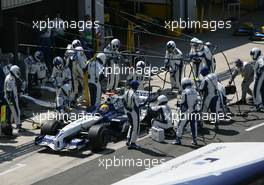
x=97, y=135
x=51, y=127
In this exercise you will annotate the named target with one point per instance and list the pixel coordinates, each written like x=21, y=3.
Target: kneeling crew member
x=164, y=119
x=247, y=71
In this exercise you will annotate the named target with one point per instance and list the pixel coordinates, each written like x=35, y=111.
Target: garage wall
x=67, y=8
x=7, y=4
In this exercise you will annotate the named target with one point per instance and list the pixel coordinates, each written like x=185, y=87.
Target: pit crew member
x=174, y=64
x=96, y=75
x=246, y=70
x=164, y=119
x=258, y=97
x=188, y=108
x=112, y=64
x=11, y=94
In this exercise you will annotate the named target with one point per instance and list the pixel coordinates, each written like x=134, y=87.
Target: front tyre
x=97, y=136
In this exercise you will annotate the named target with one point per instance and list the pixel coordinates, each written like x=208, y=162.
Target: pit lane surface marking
x=255, y=127
x=17, y=166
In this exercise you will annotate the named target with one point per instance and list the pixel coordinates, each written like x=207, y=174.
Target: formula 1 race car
x=93, y=128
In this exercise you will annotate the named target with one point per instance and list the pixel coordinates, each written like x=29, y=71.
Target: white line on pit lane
x=255, y=127
x=17, y=166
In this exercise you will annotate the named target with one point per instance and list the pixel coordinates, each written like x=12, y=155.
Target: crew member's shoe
x=133, y=146
x=177, y=141
x=241, y=101
x=194, y=142
x=20, y=129
x=256, y=108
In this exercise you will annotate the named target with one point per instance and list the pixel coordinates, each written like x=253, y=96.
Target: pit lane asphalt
x=94, y=172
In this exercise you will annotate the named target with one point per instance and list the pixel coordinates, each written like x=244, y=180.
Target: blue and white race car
x=93, y=129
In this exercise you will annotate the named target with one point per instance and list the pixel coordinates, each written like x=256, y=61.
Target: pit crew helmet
x=134, y=84
x=196, y=44
x=141, y=64
x=204, y=71
x=115, y=44
x=15, y=70
x=255, y=53
x=162, y=99
x=171, y=45
x=39, y=56
x=101, y=57
x=58, y=62
x=76, y=43
x=186, y=82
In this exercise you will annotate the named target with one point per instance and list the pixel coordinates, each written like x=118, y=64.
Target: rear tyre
x=97, y=135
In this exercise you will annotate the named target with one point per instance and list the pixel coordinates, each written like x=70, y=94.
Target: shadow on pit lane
x=204, y=131
x=82, y=153
x=223, y=123
x=106, y=151
x=27, y=133
x=6, y=149
x=224, y=132
x=8, y=139
x=252, y=117
x=148, y=151
x=194, y=147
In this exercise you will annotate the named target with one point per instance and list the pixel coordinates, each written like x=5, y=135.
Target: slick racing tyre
x=50, y=128
x=97, y=135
